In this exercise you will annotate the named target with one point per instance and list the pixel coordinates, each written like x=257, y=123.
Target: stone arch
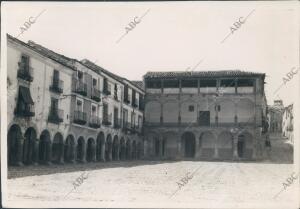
x=170, y=143
x=225, y=145
x=80, y=149
x=226, y=111
x=152, y=112
x=58, y=148
x=108, y=148
x=245, y=145
x=100, y=149
x=128, y=150
x=69, y=149
x=115, y=148
x=122, y=149
x=91, y=150
x=245, y=111
x=188, y=141
x=29, y=146
x=170, y=111
x=14, y=145
x=207, y=142
x=45, y=147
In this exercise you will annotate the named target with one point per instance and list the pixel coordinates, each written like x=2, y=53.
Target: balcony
x=57, y=86
x=107, y=119
x=117, y=123
x=135, y=104
x=96, y=95
x=80, y=88
x=55, y=115
x=128, y=127
x=25, y=72
x=126, y=100
x=80, y=117
x=25, y=110
x=94, y=122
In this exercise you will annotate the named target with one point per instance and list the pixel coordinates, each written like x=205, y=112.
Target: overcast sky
x=172, y=36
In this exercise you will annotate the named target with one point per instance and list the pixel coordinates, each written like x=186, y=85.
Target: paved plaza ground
x=155, y=183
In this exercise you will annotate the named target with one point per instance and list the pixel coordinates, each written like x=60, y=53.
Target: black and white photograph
x=185, y=104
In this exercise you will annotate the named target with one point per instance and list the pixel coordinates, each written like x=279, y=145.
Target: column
x=235, y=151
x=160, y=146
x=179, y=154
x=48, y=153
x=118, y=152
x=36, y=152
x=110, y=152
x=72, y=153
x=102, y=154
x=94, y=159
x=19, y=154
x=197, y=149
x=216, y=153
x=61, y=158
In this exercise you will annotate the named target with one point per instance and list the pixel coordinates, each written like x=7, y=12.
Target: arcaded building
x=61, y=110
x=204, y=115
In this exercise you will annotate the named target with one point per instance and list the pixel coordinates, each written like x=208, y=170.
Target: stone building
x=288, y=123
x=275, y=113
x=204, y=115
x=64, y=110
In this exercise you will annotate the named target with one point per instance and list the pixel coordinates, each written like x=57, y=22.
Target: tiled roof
x=99, y=69
x=139, y=84
x=187, y=74
x=45, y=52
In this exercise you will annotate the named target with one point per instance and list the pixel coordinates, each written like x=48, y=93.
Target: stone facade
x=61, y=110
x=204, y=115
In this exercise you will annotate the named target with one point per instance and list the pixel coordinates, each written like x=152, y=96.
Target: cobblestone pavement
x=214, y=184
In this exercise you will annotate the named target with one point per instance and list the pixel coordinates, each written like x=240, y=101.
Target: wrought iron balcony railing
x=117, y=123
x=80, y=87
x=80, y=117
x=55, y=115
x=107, y=119
x=57, y=85
x=24, y=110
x=95, y=121
x=25, y=72
x=96, y=94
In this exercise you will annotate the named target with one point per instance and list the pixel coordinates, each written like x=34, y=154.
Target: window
x=116, y=91
x=191, y=108
x=94, y=82
x=54, y=104
x=80, y=75
x=94, y=110
x=55, y=75
x=25, y=62
x=79, y=106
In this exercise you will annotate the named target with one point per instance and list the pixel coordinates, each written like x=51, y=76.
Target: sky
x=169, y=36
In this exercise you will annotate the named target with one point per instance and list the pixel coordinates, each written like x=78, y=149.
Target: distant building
x=288, y=123
x=204, y=115
x=275, y=112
